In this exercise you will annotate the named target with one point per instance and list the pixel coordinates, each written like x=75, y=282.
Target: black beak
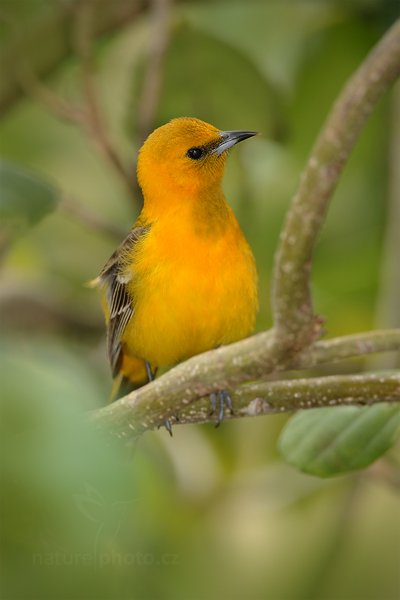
x=230, y=138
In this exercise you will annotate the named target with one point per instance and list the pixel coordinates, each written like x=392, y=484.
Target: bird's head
x=185, y=156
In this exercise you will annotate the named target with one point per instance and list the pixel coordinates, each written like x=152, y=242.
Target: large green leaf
x=67, y=493
x=207, y=78
x=330, y=441
x=24, y=199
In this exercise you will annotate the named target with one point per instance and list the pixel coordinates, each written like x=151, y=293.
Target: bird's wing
x=114, y=279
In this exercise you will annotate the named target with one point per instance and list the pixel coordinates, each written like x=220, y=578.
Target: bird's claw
x=150, y=373
x=167, y=423
x=168, y=426
x=222, y=401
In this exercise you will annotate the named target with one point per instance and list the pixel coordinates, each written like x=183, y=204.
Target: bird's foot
x=220, y=401
x=150, y=374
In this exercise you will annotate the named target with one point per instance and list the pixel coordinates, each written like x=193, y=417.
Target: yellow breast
x=192, y=291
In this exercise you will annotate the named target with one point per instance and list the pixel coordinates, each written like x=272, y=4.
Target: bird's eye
x=195, y=153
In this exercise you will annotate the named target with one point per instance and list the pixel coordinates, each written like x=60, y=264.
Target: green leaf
x=207, y=78
x=24, y=199
x=330, y=441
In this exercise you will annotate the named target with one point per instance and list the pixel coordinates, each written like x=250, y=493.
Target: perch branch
x=171, y=393
x=260, y=398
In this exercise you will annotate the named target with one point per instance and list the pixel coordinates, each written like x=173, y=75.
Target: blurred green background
x=209, y=513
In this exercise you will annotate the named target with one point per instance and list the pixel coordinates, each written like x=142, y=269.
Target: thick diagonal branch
x=291, y=298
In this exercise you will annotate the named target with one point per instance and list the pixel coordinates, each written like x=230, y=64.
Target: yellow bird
x=184, y=280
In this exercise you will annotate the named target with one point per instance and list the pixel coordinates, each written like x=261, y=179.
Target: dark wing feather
x=120, y=303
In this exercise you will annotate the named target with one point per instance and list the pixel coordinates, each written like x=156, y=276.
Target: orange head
x=185, y=157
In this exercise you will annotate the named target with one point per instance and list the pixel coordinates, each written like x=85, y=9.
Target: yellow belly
x=192, y=293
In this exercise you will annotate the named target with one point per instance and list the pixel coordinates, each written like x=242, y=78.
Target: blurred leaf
x=16, y=13
x=276, y=35
x=331, y=441
x=24, y=200
x=207, y=78
x=67, y=492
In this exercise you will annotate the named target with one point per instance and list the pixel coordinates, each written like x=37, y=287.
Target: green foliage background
x=208, y=514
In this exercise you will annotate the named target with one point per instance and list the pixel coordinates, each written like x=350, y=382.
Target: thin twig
x=89, y=219
x=88, y=116
x=55, y=104
x=45, y=44
x=159, y=40
x=66, y=111
x=93, y=123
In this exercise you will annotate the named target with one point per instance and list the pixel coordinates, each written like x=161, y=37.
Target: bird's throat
x=210, y=214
